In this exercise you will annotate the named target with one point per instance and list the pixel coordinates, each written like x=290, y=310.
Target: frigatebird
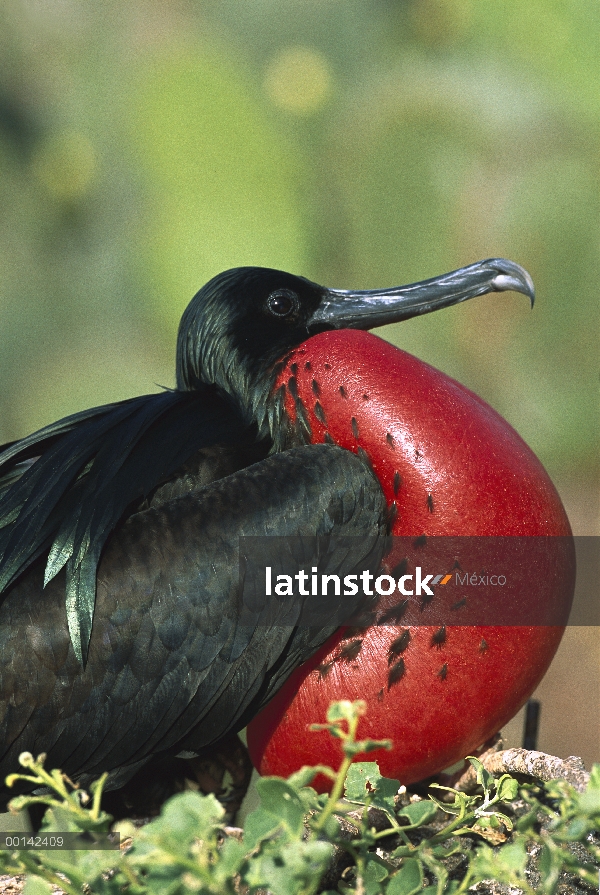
x=124, y=630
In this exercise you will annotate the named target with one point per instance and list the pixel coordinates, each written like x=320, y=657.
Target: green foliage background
x=367, y=836
x=147, y=145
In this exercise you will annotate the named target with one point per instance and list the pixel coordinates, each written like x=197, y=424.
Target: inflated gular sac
x=471, y=505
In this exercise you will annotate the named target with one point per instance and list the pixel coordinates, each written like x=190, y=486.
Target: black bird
x=125, y=630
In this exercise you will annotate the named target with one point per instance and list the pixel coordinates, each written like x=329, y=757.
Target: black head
x=241, y=322
x=245, y=319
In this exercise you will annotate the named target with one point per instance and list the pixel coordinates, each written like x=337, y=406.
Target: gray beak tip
x=513, y=278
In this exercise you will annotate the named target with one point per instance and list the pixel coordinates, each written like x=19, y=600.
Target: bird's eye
x=282, y=302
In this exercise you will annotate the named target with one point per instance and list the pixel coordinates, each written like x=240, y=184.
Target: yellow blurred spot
x=298, y=80
x=65, y=165
x=441, y=21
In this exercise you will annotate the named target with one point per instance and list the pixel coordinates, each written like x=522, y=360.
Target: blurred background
x=146, y=146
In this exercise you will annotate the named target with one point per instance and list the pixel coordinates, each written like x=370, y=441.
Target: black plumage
x=175, y=659
x=125, y=628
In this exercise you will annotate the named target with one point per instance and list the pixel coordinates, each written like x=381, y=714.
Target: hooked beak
x=341, y=309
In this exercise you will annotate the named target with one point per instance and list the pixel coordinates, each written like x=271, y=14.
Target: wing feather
x=67, y=485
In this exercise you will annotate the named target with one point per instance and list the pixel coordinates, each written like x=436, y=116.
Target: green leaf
x=484, y=778
x=408, y=880
x=289, y=870
x=332, y=828
x=281, y=799
x=503, y=818
x=375, y=873
x=361, y=779
x=514, y=856
x=507, y=788
x=578, y=828
x=89, y=865
x=231, y=857
x=385, y=793
x=310, y=799
x=484, y=864
x=594, y=777
x=589, y=801
x=280, y=808
x=444, y=851
x=59, y=819
x=461, y=800
x=260, y=824
x=305, y=776
x=419, y=813
x=35, y=885
x=163, y=879
x=184, y=818
x=549, y=865
x=527, y=821
x=364, y=782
